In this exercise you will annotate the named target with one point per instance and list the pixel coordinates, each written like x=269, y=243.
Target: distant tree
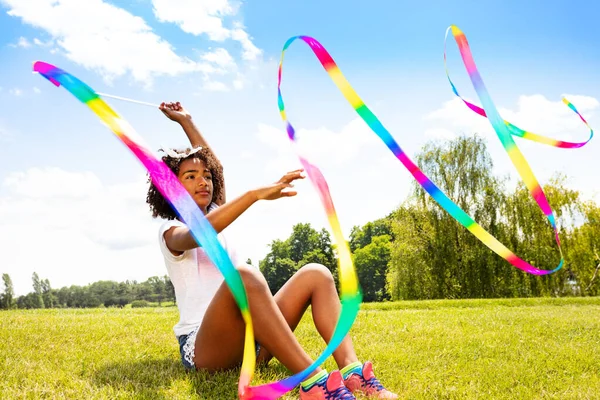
x=280, y=272
x=314, y=256
x=326, y=248
x=302, y=240
x=371, y=264
x=169, y=289
x=277, y=267
x=63, y=297
x=78, y=297
x=47, y=295
x=124, y=294
x=304, y=246
x=583, y=254
x=38, y=301
x=104, y=291
x=362, y=236
x=7, y=299
x=158, y=289
x=144, y=291
x=28, y=301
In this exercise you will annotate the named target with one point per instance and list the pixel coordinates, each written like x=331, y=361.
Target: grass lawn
x=463, y=349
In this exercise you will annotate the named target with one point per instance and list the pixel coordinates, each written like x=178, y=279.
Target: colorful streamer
x=350, y=295
x=500, y=126
x=461, y=40
x=204, y=234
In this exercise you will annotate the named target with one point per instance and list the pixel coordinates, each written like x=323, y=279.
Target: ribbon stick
x=128, y=100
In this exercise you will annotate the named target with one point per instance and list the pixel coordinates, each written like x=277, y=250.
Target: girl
x=211, y=329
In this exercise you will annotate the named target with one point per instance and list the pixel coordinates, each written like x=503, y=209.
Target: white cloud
x=122, y=43
x=321, y=146
x=249, y=51
x=247, y=155
x=539, y=115
x=40, y=43
x=196, y=16
x=440, y=133
x=258, y=74
x=71, y=228
x=51, y=183
x=534, y=113
x=584, y=104
x=238, y=84
x=215, y=86
x=239, y=77
x=6, y=135
x=199, y=17
x=220, y=57
x=22, y=42
x=36, y=90
x=456, y=115
x=16, y=92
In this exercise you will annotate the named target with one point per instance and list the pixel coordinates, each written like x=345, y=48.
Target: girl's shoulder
x=168, y=224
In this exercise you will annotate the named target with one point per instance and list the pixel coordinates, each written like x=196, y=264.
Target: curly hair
x=160, y=207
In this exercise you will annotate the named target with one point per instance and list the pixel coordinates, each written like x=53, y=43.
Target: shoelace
x=373, y=382
x=341, y=393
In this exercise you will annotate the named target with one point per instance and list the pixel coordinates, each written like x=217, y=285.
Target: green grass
x=463, y=349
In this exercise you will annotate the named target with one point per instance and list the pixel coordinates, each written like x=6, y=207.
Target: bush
x=139, y=304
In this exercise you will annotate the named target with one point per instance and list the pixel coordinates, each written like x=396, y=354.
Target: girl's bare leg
x=220, y=339
x=313, y=284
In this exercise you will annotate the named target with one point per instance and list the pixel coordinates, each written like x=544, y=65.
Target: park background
x=75, y=231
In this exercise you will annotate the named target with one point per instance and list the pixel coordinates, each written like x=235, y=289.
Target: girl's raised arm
x=176, y=112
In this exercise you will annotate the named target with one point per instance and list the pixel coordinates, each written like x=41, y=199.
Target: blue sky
x=74, y=195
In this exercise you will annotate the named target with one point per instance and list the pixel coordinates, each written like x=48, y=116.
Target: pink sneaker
x=331, y=389
x=367, y=384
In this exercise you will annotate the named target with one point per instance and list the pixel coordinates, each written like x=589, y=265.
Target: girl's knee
x=253, y=279
x=317, y=272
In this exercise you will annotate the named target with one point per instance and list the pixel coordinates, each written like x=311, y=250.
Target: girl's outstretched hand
x=175, y=111
x=277, y=189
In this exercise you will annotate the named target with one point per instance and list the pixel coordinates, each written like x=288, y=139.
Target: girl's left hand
x=277, y=189
x=175, y=111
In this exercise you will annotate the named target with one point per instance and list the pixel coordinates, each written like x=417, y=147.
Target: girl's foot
x=328, y=388
x=363, y=381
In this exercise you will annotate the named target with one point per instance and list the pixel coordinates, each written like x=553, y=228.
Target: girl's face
x=197, y=180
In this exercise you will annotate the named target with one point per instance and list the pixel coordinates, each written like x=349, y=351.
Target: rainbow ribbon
x=465, y=51
x=204, y=234
x=500, y=126
x=350, y=295
x=350, y=291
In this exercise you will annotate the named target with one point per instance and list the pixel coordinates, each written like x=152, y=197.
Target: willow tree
x=434, y=256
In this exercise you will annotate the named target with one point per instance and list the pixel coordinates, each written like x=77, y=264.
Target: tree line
x=417, y=251
x=102, y=293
